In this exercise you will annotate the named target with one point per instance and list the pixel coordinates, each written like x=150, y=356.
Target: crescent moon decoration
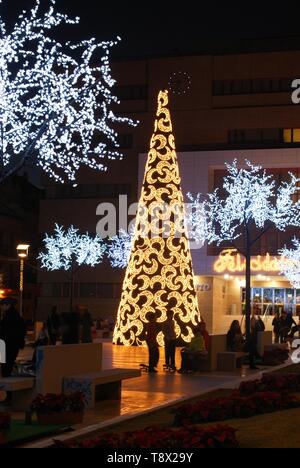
x=159, y=276
x=180, y=83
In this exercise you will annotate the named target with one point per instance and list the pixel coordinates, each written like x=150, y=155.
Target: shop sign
x=203, y=287
x=230, y=261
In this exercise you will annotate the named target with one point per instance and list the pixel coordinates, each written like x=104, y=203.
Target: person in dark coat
x=276, y=327
x=12, y=332
x=53, y=326
x=235, y=341
x=86, y=327
x=152, y=331
x=70, y=327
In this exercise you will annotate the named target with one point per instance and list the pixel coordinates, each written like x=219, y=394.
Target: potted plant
x=5, y=421
x=61, y=409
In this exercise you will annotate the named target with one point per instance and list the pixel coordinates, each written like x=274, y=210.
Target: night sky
x=154, y=28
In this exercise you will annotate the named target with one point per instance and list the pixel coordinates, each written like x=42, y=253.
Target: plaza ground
x=148, y=398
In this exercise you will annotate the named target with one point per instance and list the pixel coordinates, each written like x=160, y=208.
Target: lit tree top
x=67, y=248
x=252, y=197
x=55, y=99
x=290, y=263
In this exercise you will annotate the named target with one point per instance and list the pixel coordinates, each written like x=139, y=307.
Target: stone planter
x=60, y=419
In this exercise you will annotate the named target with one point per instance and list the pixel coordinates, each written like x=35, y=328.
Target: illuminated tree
x=290, y=263
x=55, y=99
x=253, y=204
x=119, y=249
x=159, y=276
x=68, y=250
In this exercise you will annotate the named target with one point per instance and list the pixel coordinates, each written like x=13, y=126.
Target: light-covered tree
x=119, y=249
x=290, y=263
x=68, y=250
x=252, y=204
x=55, y=99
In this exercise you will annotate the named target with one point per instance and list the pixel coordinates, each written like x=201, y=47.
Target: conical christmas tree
x=159, y=276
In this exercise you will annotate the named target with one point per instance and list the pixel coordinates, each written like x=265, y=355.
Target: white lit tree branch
x=290, y=263
x=68, y=250
x=55, y=99
x=252, y=205
x=119, y=249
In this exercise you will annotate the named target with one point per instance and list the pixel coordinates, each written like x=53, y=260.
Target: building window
x=87, y=290
x=82, y=290
x=106, y=290
x=255, y=86
x=291, y=135
x=51, y=290
x=255, y=136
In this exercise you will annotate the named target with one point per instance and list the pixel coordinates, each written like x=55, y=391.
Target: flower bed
x=232, y=407
x=51, y=403
x=154, y=437
x=59, y=409
x=275, y=357
x=271, y=383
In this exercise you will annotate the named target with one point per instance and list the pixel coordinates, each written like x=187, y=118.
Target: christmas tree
x=159, y=276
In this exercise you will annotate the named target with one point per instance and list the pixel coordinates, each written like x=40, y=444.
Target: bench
x=230, y=361
x=102, y=385
x=54, y=363
x=20, y=391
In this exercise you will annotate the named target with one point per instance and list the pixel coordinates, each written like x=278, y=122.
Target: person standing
x=12, y=332
x=151, y=340
x=169, y=333
x=205, y=334
x=287, y=321
x=276, y=327
x=53, y=326
x=86, y=327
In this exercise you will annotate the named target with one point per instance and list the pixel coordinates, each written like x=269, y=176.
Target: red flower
x=190, y=437
x=51, y=403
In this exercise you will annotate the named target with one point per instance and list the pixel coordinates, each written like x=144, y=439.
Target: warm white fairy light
x=252, y=196
x=68, y=247
x=55, y=99
x=290, y=263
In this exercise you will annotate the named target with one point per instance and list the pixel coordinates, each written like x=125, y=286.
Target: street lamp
x=22, y=250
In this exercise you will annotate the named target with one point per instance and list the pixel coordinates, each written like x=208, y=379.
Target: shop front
x=221, y=295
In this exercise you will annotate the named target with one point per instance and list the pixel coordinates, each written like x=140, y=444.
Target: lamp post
x=22, y=250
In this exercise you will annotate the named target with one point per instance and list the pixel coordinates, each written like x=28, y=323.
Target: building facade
x=19, y=206
x=234, y=105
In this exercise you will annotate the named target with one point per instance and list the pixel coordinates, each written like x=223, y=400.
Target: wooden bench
x=20, y=391
x=230, y=361
x=102, y=385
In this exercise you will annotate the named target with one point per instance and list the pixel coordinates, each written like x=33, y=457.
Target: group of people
x=197, y=349
x=285, y=327
x=70, y=328
x=237, y=342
